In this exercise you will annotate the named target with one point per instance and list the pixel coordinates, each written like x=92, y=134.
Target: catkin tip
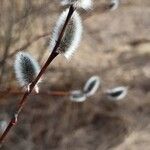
x=84, y=4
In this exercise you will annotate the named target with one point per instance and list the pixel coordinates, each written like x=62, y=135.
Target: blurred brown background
x=115, y=46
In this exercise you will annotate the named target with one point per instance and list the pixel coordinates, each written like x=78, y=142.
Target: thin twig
x=28, y=92
x=51, y=93
x=26, y=45
x=8, y=39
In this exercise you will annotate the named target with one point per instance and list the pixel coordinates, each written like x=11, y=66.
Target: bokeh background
x=115, y=46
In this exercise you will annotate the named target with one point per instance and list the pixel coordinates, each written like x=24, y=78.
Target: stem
x=51, y=93
x=54, y=53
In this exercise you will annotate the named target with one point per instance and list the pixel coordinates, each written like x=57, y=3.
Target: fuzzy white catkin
x=91, y=85
x=26, y=68
x=115, y=4
x=85, y=4
x=77, y=96
x=117, y=93
x=72, y=35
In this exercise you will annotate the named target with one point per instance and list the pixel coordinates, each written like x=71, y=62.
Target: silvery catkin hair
x=85, y=4
x=77, y=96
x=114, y=4
x=26, y=68
x=72, y=35
x=91, y=86
x=117, y=93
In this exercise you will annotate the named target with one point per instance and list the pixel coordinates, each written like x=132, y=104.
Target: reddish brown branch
x=51, y=93
x=27, y=93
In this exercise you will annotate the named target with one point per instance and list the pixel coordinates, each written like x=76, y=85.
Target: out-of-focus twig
x=9, y=92
x=26, y=45
x=8, y=38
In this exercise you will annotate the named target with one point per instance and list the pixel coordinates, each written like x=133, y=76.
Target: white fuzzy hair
x=18, y=67
x=115, y=4
x=92, y=91
x=121, y=89
x=85, y=4
x=77, y=34
x=81, y=97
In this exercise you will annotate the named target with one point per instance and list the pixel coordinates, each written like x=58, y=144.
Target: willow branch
x=52, y=56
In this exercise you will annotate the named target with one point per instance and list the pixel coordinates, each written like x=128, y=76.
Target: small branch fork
x=52, y=56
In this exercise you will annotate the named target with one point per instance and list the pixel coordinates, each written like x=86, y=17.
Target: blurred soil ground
x=115, y=46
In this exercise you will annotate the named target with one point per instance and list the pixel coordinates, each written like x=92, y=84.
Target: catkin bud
x=72, y=35
x=91, y=86
x=114, y=4
x=85, y=4
x=117, y=93
x=26, y=69
x=77, y=96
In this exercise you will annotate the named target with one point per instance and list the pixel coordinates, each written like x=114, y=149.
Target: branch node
x=15, y=119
